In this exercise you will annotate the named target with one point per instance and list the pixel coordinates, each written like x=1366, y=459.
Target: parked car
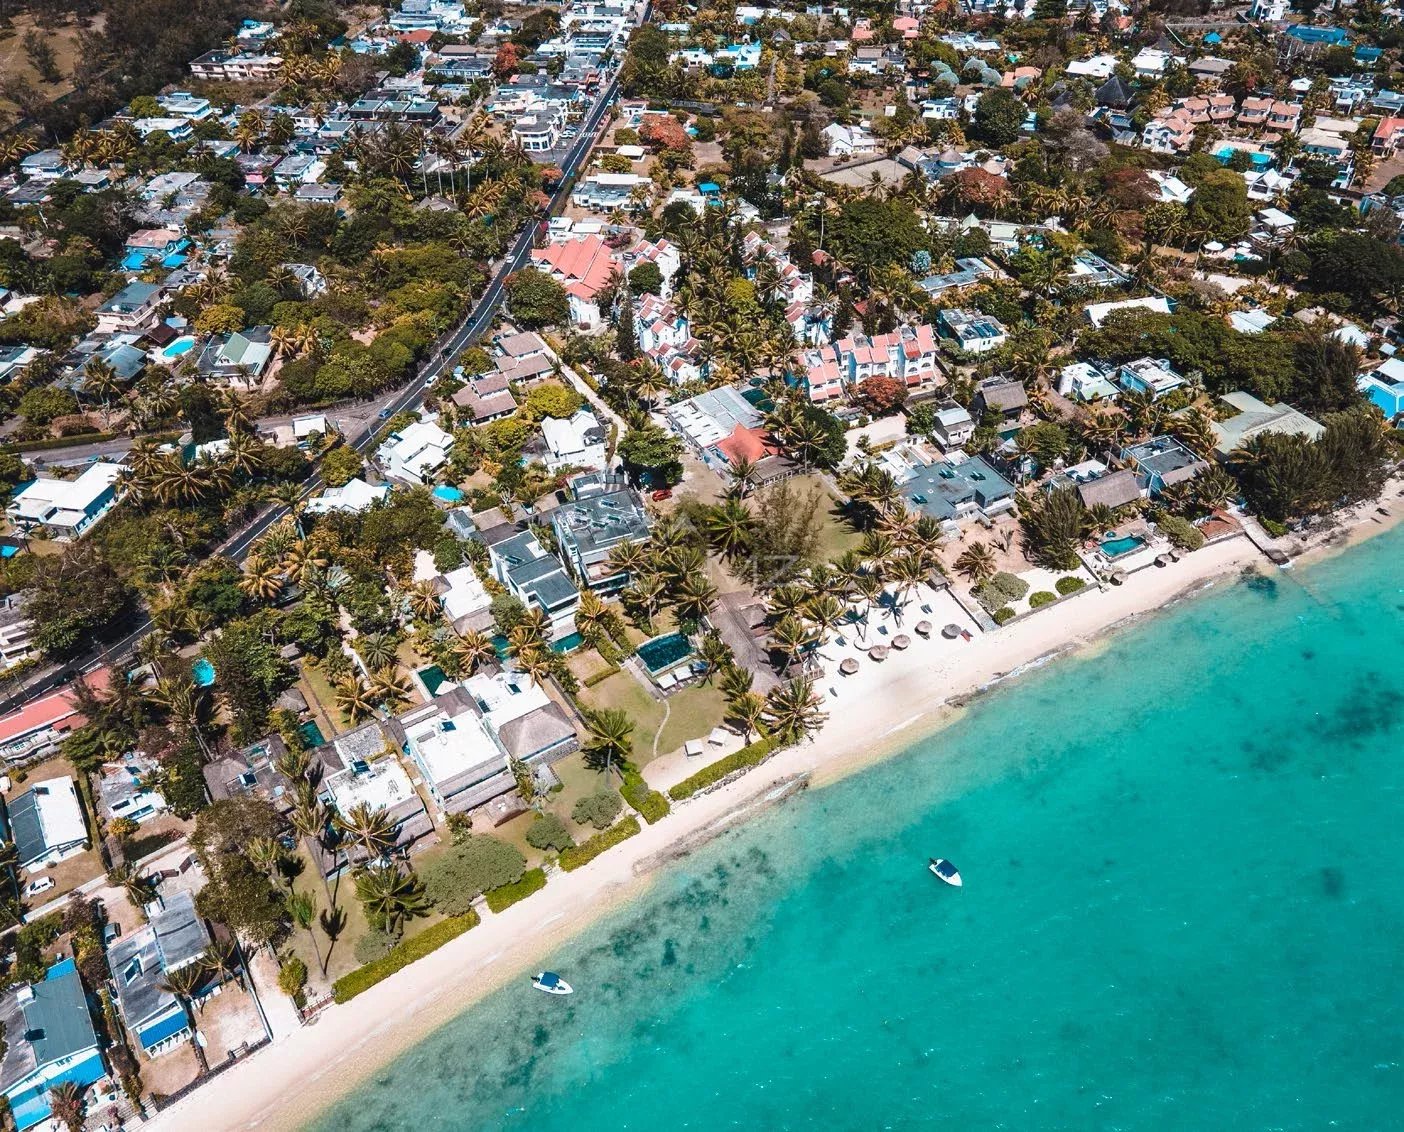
x=662, y=493
x=35, y=887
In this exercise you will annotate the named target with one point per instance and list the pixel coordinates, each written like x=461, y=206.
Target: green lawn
x=624, y=692
x=691, y=713
x=836, y=533
x=321, y=689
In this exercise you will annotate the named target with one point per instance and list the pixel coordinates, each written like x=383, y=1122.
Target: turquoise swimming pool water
x=433, y=677
x=311, y=734
x=202, y=672
x=1181, y=912
x=447, y=493
x=1116, y=547
x=664, y=652
x=180, y=346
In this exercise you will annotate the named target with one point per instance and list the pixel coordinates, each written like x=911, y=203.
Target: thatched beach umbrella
x=1117, y=577
x=923, y=628
x=901, y=641
x=849, y=666
x=1162, y=560
x=951, y=632
x=878, y=652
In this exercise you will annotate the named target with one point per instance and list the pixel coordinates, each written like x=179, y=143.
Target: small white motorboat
x=552, y=983
x=944, y=870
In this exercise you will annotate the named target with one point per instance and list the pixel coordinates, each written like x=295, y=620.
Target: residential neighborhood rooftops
x=1255, y=417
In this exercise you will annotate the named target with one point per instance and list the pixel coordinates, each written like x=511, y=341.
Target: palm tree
x=694, y=596
x=714, y=653
x=354, y=699
x=977, y=562
x=791, y=638
x=423, y=601
x=472, y=649
x=222, y=961
x=390, y=687
x=390, y=897
x=728, y=527
x=646, y=594
x=787, y=600
x=182, y=984
x=826, y=612
x=748, y=710
x=131, y=880
x=609, y=734
x=794, y=709
x=102, y=383
x=377, y=650
x=66, y=1104
x=373, y=829
x=266, y=855
x=735, y=681
x=261, y=580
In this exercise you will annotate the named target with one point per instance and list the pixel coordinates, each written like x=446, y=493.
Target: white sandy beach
x=883, y=707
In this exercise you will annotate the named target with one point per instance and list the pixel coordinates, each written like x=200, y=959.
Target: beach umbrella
x=923, y=628
x=878, y=652
x=849, y=666
x=1117, y=577
x=1162, y=560
x=901, y=641
x=951, y=632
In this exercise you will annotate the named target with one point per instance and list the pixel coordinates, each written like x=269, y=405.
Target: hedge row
x=73, y=440
x=652, y=806
x=601, y=676
x=578, y=855
x=713, y=773
x=500, y=899
x=401, y=956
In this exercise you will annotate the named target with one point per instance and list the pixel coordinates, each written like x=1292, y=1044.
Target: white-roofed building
x=415, y=453
x=577, y=441
x=353, y=496
x=1098, y=313
x=46, y=824
x=66, y=508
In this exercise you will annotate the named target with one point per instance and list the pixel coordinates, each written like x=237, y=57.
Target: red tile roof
x=55, y=711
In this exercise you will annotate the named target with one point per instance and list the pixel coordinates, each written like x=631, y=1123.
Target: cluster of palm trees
x=669, y=568
x=737, y=339
x=791, y=711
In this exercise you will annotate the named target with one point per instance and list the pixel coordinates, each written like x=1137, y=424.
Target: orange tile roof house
x=39, y=725
x=583, y=266
x=1388, y=134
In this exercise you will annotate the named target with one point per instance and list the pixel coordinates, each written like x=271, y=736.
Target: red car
x=662, y=493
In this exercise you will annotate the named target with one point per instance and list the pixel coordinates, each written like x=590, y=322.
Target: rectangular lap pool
x=1120, y=547
x=311, y=734
x=663, y=653
x=434, y=678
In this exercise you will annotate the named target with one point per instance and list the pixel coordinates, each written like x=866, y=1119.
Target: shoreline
x=319, y=1064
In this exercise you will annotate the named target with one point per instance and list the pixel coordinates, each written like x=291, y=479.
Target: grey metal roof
x=593, y=526
x=180, y=932
x=940, y=489
x=174, y=937
x=26, y=830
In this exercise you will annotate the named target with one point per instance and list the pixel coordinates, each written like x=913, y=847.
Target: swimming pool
x=182, y=345
x=1120, y=547
x=203, y=672
x=433, y=678
x=311, y=734
x=447, y=493
x=663, y=653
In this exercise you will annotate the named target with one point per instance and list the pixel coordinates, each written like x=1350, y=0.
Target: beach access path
x=287, y=1084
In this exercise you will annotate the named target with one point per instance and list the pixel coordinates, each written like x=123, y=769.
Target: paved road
x=479, y=319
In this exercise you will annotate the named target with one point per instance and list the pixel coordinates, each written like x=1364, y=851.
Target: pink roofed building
x=583, y=265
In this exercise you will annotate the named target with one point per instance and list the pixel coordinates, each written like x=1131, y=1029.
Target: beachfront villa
x=1161, y=462
x=1256, y=418
x=1385, y=388
x=535, y=577
x=954, y=491
x=49, y=1039
x=590, y=527
x=173, y=937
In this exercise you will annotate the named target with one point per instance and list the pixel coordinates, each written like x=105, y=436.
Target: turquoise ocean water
x=1183, y=910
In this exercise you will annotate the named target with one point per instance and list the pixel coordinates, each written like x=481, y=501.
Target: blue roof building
x=1385, y=388
x=49, y=1039
x=1331, y=37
